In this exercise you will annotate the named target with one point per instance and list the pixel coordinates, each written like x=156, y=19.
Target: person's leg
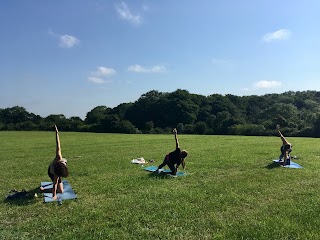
x=282, y=153
x=288, y=158
x=165, y=162
x=289, y=152
x=60, y=186
x=288, y=161
x=162, y=165
x=172, y=168
x=51, y=176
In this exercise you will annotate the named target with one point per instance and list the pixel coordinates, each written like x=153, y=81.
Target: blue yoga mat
x=154, y=168
x=292, y=164
x=68, y=192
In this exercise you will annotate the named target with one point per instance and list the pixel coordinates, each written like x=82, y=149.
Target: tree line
x=298, y=114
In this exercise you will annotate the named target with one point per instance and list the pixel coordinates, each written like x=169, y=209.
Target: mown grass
x=232, y=190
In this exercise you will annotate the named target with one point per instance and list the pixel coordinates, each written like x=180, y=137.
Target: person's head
x=61, y=169
x=183, y=154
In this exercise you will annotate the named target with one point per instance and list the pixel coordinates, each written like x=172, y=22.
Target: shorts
x=52, y=176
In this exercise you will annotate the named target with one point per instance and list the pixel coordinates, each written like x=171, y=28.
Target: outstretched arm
x=58, y=148
x=176, y=137
x=284, y=140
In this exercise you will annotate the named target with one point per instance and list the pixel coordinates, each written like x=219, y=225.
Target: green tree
x=56, y=119
x=145, y=109
x=110, y=123
x=126, y=126
x=148, y=126
x=75, y=124
x=316, y=126
x=14, y=115
x=121, y=110
x=200, y=128
x=97, y=114
x=180, y=127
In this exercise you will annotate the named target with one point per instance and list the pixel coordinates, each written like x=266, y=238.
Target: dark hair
x=61, y=169
x=184, y=153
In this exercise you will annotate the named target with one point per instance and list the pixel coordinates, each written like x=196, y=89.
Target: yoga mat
x=292, y=164
x=68, y=192
x=154, y=168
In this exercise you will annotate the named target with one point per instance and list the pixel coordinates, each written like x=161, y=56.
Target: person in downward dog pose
x=57, y=169
x=285, y=149
x=174, y=159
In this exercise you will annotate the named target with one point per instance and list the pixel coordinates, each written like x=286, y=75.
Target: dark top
x=174, y=157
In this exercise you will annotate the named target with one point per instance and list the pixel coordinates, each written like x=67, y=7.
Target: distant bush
x=248, y=129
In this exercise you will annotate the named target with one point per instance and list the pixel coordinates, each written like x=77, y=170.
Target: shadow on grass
x=160, y=175
x=22, y=197
x=273, y=165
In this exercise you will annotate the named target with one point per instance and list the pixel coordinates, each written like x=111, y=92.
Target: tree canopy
x=298, y=114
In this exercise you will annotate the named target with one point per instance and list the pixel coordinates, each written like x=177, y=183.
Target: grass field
x=232, y=190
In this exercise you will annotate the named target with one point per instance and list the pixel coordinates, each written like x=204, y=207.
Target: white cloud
x=139, y=69
x=267, y=84
x=125, y=13
x=101, y=75
x=65, y=41
x=281, y=34
x=96, y=80
x=68, y=41
x=104, y=71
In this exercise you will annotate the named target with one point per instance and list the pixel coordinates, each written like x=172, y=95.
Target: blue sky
x=67, y=57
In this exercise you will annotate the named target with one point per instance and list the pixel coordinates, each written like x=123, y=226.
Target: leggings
x=166, y=161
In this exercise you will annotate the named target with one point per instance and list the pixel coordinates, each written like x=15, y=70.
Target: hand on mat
x=55, y=198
